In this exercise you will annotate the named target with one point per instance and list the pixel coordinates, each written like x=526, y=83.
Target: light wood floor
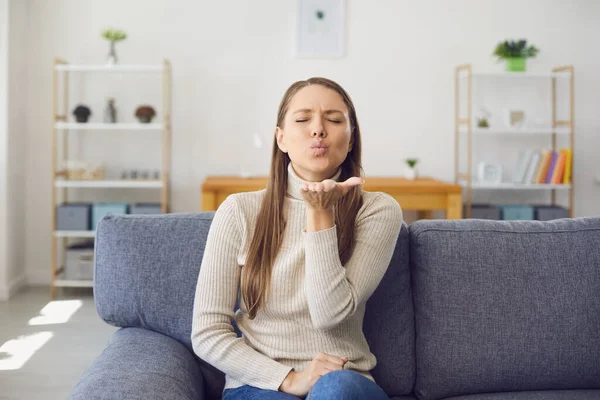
x=68, y=348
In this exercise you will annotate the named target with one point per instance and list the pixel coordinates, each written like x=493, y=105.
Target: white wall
x=3, y=140
x=18, y=115
x=12, y=144
x=233, y=60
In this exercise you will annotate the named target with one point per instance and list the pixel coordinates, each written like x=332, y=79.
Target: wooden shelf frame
x=463, y=125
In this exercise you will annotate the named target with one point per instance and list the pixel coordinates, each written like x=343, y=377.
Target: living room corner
x=126, y=125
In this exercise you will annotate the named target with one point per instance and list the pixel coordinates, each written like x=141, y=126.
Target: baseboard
x=13, y=287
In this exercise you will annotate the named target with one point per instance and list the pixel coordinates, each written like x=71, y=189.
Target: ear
x=280, y=139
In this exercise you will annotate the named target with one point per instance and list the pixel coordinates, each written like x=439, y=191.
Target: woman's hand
x=321, y=196
x=300, y=383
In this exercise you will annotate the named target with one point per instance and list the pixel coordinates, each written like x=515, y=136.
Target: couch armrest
x=141, y=364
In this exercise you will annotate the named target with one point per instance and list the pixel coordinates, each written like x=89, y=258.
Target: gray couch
x=468, y=309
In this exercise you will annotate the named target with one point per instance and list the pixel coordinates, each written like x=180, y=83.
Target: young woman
x=305, y=254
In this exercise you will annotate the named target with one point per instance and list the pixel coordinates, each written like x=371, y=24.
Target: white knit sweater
x=315, y=305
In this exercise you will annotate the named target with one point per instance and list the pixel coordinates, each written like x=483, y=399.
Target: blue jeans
x=344, y=384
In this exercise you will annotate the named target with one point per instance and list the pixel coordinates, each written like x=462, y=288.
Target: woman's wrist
x=319, y=219
x=287, y=382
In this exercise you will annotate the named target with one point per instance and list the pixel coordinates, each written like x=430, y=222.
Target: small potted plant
x=515, y=53
x=145, y=114
x=410, y=170
x=483, y=121
x=113, y=36
x=81, y=113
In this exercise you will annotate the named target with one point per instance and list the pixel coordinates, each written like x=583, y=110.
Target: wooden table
x=422, y=194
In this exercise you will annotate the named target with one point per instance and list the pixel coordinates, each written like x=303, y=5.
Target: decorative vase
x=112, y=55
x=515, y=64
x=410, y=173
x=110, y=112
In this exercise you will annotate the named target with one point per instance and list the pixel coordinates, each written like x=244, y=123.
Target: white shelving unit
x=466, y=132
x=515, y=186
x=73, y=283
x=61, y=126
x=98, y=184
x=108, y=127
x=74, y=234
x=517, y=132
x=64, y=67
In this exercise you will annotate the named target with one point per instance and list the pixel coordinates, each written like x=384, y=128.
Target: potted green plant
x=113, y=36
x=515, y=53
x=81, y=113
x=145, y=114
x=410, y=170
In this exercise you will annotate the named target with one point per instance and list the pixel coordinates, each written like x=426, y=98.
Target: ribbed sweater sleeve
x=213, y=337
x=334, y=291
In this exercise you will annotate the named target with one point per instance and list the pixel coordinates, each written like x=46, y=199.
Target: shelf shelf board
x=74, y=283
x=516, y=186
x=134, y=126
x=75, y=234
x=518, y=75
x=132, y=184
x=109, y=68
x=518, y=132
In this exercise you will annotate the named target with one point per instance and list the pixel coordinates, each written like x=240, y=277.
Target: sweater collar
x=294, y=182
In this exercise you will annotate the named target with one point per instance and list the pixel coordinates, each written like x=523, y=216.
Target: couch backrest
x=389, y=324
x=146, y=269
x=506, y=306
x=146, y=272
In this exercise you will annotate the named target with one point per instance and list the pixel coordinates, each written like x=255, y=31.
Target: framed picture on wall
x=320, y=29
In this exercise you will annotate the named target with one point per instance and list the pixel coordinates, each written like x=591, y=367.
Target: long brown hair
x=270, y=223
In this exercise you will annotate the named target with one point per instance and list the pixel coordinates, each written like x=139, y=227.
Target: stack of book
x=543, y=167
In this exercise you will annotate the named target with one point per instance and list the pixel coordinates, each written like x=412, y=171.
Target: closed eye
x=301, y=120
x=335, y=121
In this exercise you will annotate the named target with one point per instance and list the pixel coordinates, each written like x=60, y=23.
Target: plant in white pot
x=410, y=169
x=113, y=36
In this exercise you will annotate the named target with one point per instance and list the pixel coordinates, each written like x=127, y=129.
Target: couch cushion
x=536, y=395
x=140, y=364
x=146, y=272
x=389, y=324
x=506, y=306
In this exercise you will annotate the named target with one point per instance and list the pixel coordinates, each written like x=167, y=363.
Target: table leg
x=454, y=206
x=209, y=200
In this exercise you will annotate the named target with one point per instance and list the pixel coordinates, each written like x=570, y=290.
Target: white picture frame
x=320, y=29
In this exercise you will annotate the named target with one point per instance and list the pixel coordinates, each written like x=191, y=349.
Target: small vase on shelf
x=110, y=112
x=112, y=55
x=113, y=36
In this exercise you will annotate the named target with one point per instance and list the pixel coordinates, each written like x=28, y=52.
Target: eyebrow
x=307, y=110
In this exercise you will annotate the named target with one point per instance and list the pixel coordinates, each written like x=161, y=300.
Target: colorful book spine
x=557, y=175
x=554, y=157
x=532, y=167
x=540, y=176
x=568, y=167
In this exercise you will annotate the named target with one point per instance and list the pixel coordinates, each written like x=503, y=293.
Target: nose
x=318, y=130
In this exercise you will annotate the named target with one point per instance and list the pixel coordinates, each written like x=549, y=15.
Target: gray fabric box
x=79, y=264
x=145, y=208
x=79, y=261
x=548, y=212
x=73, y=217
x=484, y=211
